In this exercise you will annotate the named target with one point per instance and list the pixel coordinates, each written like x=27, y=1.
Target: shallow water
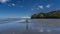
x=34, y=25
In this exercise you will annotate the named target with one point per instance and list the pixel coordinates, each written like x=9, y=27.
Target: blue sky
x=21, y=8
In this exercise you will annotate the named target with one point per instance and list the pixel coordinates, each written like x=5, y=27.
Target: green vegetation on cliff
x=52, y=14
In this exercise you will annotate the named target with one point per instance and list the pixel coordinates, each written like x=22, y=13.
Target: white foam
x=20, y=21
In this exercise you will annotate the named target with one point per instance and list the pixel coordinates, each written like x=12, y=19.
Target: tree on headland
x=52, y=14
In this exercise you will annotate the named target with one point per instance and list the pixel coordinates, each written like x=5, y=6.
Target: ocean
x=34, y=26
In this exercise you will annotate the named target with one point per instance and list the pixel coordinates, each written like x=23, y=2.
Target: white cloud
x=9, y=5
x=32, y=8
x=25, y=17
x=48, y=6
x=13, y=4
x=41, y=6
x=4, y=1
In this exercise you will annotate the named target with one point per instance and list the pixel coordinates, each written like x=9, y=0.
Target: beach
x=38, y=26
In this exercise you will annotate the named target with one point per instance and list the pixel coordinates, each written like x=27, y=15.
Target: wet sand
x=20, y=28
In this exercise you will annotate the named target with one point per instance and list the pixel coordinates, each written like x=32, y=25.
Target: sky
x=26, y=8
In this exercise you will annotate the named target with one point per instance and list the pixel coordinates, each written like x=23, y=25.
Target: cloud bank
x=4, y=1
